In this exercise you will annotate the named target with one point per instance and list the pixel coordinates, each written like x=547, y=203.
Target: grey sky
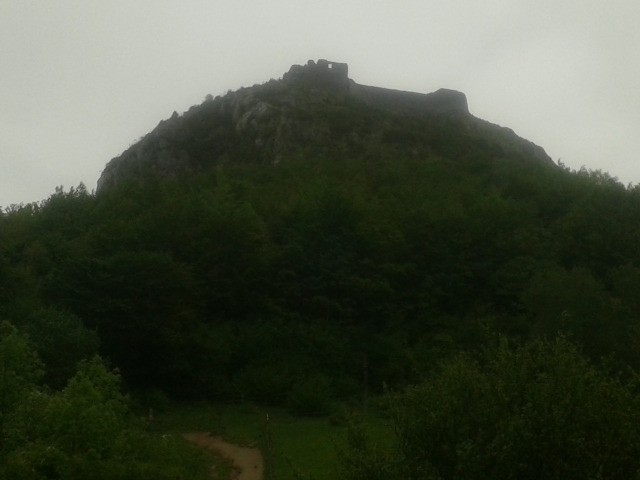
x=80, y=80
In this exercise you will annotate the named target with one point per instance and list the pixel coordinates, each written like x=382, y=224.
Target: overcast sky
x=81, y=80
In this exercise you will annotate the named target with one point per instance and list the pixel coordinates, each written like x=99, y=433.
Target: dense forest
x=329, y=277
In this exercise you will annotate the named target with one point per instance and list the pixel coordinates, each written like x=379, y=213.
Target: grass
x=295, y=448
x=305, y=448
x=197, y=463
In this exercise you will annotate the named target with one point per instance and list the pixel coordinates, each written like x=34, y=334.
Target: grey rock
x=281, y=119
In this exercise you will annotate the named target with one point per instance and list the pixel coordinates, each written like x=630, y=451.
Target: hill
x=312, y=240
x=314, y=110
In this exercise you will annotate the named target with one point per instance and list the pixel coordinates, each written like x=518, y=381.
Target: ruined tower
x=323, y=75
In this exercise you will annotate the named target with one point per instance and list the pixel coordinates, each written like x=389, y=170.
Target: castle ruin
x=325, y=75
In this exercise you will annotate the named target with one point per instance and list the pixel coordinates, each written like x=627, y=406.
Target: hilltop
x=314, y=109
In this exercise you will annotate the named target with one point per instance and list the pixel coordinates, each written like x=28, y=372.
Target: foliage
x=361, y=459
x=83, y=431
x=362, y=260
x=311, y=396
x=20, y=370
x=61, y=341
x=540, y=410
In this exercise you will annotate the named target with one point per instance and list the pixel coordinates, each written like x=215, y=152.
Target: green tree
x=540, y=410
x=61, y=341
x=143, y=306
x=89, y=414
x=575, y=303
x=20, y=371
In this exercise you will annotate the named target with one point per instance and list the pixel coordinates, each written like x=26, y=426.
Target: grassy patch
x=295, y=448
x=197, y=463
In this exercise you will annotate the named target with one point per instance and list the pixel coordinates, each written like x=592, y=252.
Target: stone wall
x=438, y=102
x=331, y=76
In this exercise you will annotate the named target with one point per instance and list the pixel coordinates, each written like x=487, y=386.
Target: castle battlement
x=334, y=77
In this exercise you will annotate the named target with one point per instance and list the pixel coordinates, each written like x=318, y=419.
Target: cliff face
x=314, y=110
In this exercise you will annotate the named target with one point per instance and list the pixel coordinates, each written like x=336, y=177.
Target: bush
x=533, y=411
x=311, y=396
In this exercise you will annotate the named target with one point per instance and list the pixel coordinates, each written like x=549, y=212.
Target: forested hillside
x=262, y=282
x=331, y=274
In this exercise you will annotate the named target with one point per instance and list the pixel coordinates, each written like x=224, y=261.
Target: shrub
x=540, y=410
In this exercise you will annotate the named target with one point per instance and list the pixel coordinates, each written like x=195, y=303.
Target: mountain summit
x=314, y=110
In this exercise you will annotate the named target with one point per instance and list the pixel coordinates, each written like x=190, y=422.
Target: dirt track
x=247, y=461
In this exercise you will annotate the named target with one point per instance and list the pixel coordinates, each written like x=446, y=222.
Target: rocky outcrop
x=314, y=109
x=239, y=127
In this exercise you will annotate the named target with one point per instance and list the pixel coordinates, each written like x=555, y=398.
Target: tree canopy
x=539, y=410
x=345, y=261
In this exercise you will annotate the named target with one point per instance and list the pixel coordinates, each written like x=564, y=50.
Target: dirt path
x=247, y=461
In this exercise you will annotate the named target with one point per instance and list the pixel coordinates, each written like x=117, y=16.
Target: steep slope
x=314, y=110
